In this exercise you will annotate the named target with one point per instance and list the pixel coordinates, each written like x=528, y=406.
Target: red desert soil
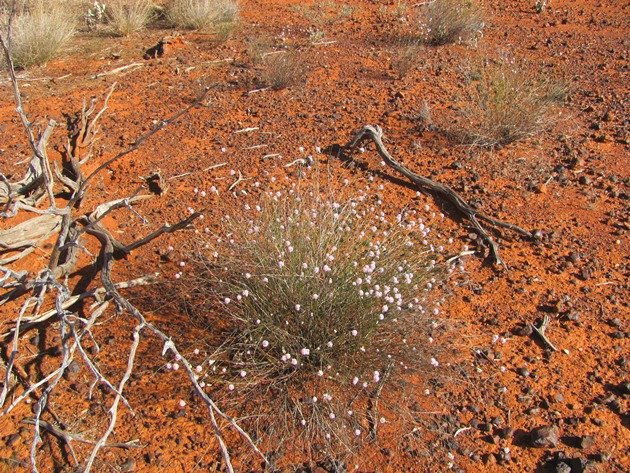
x=571, y=183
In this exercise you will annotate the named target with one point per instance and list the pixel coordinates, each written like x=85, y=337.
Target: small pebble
x=523, y=372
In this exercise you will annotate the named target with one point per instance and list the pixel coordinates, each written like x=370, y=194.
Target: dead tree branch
x=375, y=133
x=45, y=293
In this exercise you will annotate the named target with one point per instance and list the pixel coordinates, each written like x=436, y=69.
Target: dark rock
x=525, y=331
x=625, y=387
x=485, y=427
x=601, y=457
x=616, y=322
x=11, y=439
x=545, y=436
x=562, y=467
x=504, y=456
x=587, y=442
x=585, y=274
x=489, y=459
x=497, y=421
x=72, y=371
x=573, y=317
x=523, y=372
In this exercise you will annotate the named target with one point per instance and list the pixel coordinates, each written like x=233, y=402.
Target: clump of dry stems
x=204, y=15
x=318, y=309
x=508, y=103
x=39, y=30
x=451, y=21
x=282, y=69
x=129, y=16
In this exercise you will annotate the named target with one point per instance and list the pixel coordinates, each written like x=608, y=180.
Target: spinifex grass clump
x=324, y=307
x=39, y=31
x=509, y=103
x=129, y=16
x=452, y=21
x=207, y=15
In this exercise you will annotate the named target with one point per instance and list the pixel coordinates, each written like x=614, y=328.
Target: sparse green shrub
x=451, y=21
x=207, y=15
x=129, y=16
x=317, y=311
x=39, y=31
x=282, y=70
x=508, y=104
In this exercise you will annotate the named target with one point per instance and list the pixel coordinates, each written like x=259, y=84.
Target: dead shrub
x=206, y=15
x=129, y=16
x=451, y=21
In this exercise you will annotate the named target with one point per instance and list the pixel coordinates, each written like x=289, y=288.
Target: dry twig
x=540, y=331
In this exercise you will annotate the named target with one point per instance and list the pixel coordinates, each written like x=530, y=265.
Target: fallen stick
x=459, y=431
x=28, y=322
x=238, y=181
x=460, y=255
x=68, y=437
x=541, y=332
x=375, y=133
x=258, y=90
x=214, y=166
x=246, y=130
x=118, y=70
x=302, y=161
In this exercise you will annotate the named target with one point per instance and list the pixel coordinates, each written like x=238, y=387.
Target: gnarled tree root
x=375, y=133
